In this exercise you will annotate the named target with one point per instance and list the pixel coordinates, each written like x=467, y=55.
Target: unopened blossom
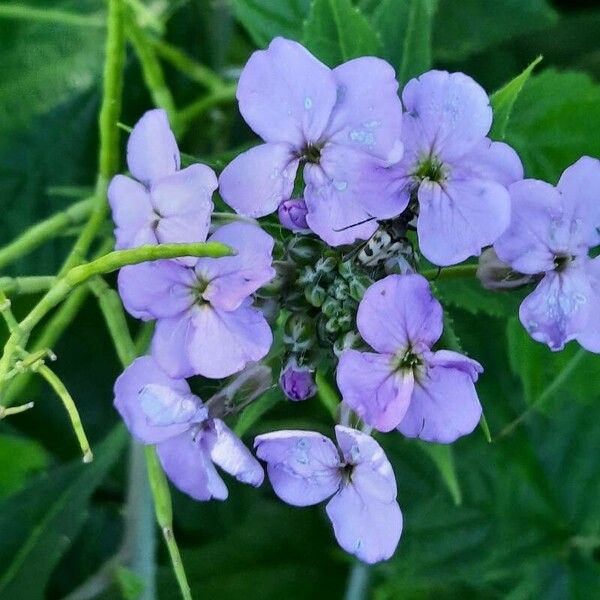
x=292, y=215
x=551, y=233
x=163, y=204
x=404, y=384
x=458, y=175
x=206, y=324
x=297, y=382
x=162, y=411
x=306, y=468
x=343, y=125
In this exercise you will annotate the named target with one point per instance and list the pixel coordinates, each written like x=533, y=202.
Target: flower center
x=407, y=360
x=198, y=289
x=430, y=168
x=312, y=153
x=561, y=261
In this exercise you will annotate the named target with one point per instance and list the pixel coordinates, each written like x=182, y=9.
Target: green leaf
x=443, y=458
x=15, y=471
x=504, y=99
x=464, y=27
x=405, y=27
x=46, y=63
x=553, y=122
x=468, y=294
x=266, y=19
x=570, y=375
x=336, y=31
x=39, y=523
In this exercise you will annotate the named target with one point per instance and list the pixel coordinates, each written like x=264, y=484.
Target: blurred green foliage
x=528, y=526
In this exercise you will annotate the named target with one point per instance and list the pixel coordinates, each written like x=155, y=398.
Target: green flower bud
x=308, y=276
x=330, y=307
x=315, y=295
x=284, y=277
x=346, y=269
x=299, y=329
x=348, y=340
x=305, y=250
x=358, y=286
x=326, y=264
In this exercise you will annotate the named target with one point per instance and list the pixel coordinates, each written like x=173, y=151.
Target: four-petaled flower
x=306, y=468
x=404, y=384
x=165, y=204
x=161, y=410
x=343, y=125
x=551, y=233
x=459, y=176
x=206, y=322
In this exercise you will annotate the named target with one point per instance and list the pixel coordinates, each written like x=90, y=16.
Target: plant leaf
x=336, y=31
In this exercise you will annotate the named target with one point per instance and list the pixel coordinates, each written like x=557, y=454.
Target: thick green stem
x=109, y=133
x=188, y=66
x=194, y=110
x=45, y=230
x=358, y=582
x=15, y=410
x=26, y=285
x=61, y=391
x=152, y=71
x=49, y=15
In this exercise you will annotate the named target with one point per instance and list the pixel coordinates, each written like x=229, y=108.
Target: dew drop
x=308, y=103
x=340, y=186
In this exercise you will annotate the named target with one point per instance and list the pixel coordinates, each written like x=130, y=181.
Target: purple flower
x=292, y=215
x=551, y=233
x=206, y=322
x=161, y=410
x=458, y=174
x=403, y=384
x=297, y=382
x=165, y=204
x=342, y=124
x=306, y=468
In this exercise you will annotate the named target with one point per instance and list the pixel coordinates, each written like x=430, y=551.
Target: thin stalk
x=44, y=231
x=152, y=71
x=26, y=285
x=197, y=108
x=7, y=314
x=7, y=412
x=49, y=15
x=164, y=515
x=358, y=582
x=61, y=391
x=188, y=66
x=455, y=272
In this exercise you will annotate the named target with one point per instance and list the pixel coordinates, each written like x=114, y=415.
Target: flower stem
x=61, y=391
x=26, y=285
x=358, y=582
x=152, y=71
x=164, y=516
x=48, y=15
x=223, y=95
x=7, y=412
x=44, y=231
x=455, y=272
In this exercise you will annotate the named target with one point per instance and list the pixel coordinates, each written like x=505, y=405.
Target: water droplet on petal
x=308, y=103
x=340, y=186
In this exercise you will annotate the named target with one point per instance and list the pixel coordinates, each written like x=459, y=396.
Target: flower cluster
x=396, y=174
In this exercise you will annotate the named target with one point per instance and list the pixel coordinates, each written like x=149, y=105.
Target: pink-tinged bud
x=496, y=275
x=292, y=215
x=297, y=382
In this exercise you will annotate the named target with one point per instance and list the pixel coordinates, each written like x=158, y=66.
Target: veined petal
x=128, y=390
x=255, y=182
x=303, y=466
x=152, y=150
x=223, y=343
x=496, y=161
x=365, y=527
x=171, y=344
x=399, y=311
x=285, y=94
x=460, y=217
x=371, y=388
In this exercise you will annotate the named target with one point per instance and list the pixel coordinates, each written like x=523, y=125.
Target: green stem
x=61, y=391
x=195, y=109
x=7, y=314
x=7, y=412
x=455, y=272
x=188, y=66
x=358, y=582
x=26, y=285
x=44, y=231
x=152, y=71
x=109, y=133
x=164, y=515
x=327, y=394
x=49, y=15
